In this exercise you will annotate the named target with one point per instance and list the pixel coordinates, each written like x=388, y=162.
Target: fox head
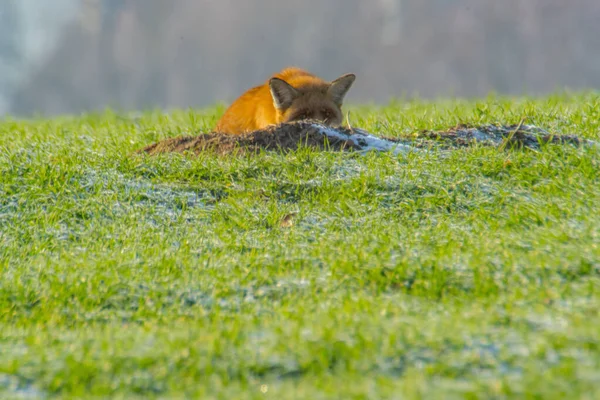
x=311, y=100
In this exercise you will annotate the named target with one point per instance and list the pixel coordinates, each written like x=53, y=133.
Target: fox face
x=317, y=101
x=292, y=94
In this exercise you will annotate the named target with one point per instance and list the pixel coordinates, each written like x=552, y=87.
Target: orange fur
x=290, y=95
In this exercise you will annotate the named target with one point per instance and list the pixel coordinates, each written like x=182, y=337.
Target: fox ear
x=282, y=92
x=340, y=87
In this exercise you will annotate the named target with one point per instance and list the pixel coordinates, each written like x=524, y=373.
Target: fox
x=292, y=94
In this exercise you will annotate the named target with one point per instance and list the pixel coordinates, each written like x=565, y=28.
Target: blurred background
x=69, y=56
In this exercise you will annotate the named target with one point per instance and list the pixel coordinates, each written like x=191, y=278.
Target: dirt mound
x=283, y=137
x=517, y=135
x=291, y=136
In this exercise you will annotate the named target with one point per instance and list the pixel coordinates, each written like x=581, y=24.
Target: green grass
x=469, y=274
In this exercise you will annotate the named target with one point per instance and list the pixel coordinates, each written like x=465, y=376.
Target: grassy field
x=468, y=274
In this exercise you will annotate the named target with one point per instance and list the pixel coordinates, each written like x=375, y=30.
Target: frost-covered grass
x=474, y=273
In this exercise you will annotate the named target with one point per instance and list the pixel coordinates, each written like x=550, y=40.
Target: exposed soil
x=285, y=137
x=291, y=136
x=520, y=136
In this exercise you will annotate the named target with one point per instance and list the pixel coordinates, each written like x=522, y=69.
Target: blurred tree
x=155, y=22
x=11, y=57
x=109, y=14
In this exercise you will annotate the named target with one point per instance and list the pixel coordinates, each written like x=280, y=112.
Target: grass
x=470, y=274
